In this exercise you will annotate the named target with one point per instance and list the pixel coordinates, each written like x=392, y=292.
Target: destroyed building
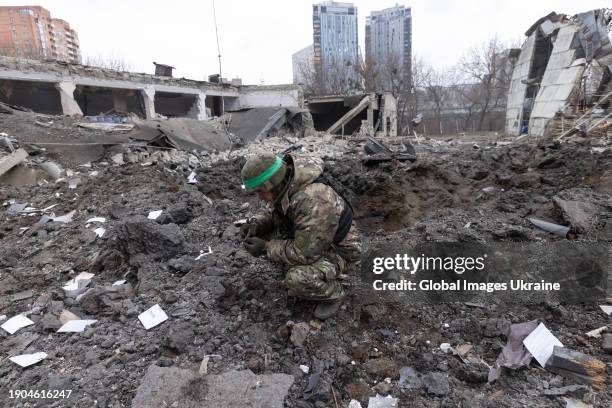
x=345, y=115
x=564, y=69
x=56, y=88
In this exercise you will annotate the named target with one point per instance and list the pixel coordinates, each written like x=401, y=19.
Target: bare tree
x=489, y=67
x=310, y=78
x=113, y=62
x=368, y=73
x=437, y=90
x=413, y=100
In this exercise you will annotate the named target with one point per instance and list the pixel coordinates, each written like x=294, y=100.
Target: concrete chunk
x=12, y=160
x=175, y=387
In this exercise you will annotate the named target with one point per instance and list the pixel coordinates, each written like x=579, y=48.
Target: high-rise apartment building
x=335, y=45
x=388, y=42
x=30, y=32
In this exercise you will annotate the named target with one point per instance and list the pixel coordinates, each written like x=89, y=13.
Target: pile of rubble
x=123, y=278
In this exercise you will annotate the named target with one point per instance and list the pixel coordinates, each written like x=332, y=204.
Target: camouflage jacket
x=313, y=208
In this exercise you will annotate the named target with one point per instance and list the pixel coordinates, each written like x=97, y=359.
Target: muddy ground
x=232, y=306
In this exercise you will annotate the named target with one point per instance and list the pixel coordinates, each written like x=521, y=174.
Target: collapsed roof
x=565, y=66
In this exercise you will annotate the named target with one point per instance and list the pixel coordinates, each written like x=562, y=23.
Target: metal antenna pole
x=219, y=55
x=217, y=35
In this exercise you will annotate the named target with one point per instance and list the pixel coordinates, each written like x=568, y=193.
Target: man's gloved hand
x=249, y=230
x=255, y=246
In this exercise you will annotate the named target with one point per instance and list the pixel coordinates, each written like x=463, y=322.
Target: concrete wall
x=195, y=95
x=285, y=97
x=559, y=81
x=517, y=90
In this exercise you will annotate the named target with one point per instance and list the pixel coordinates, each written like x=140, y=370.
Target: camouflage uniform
x=314, y=209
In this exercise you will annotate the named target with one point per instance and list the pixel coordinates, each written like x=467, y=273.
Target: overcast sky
x=257, y=37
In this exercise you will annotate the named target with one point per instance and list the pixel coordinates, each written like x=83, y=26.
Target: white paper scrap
x=152, y=317
x=26, y=360
x=540, y=344
x=96, y=219
x=305, y=369
x=607, y=309
x=100, y=232
x=191, y=179
x=66, y=218
x=154, y=214
x=119, y=282
x=202, y=253
x=75, y=326
x=77, y=285
x=15, y=323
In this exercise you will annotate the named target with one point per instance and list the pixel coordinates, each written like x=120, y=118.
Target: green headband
x=264, y=175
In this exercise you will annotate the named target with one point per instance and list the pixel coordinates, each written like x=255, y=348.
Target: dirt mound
x=231, y=309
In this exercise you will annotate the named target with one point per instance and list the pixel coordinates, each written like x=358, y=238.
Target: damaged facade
x=564, y=68
x=56, y=88
x=346, y=115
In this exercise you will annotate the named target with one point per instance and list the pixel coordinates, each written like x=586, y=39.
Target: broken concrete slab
x=52, y=169
x=26, y=294
x=383, y=402
x=436, y=383
x=606, y=343
x=575, y=390
x=172, y=386
x=409, y=379
x=12, y=160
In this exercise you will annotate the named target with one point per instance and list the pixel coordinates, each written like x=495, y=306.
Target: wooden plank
x=598, y=382
x=575, y=361
x=12, y=160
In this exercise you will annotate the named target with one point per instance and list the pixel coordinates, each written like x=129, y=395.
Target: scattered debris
x=596, y=333
x=514, y=354
x=305, y=369
x=559, y=230
x=383, y=402
x=26, y=294
x=445, y=348
x=153, y=215
x=15, y=323
x=607, y=309
x=606, y=343
x=64, y=219
x=78, y=285
x=75, y=326
x=152, y=317
x=540, y=343
x=26, y=360
x=67, y=316
x=165, y=386
x=12, y=160
x=578, y=366
x=191, y=179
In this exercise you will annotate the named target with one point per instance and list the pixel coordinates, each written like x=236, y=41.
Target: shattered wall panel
x=560, y=79
x=516, y=94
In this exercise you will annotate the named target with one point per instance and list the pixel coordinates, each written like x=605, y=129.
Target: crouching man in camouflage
x=308, y=227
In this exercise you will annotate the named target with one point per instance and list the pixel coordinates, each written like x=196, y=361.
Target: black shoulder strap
x=346, y=217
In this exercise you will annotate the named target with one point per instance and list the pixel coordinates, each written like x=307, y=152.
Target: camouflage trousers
x=319, y=280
